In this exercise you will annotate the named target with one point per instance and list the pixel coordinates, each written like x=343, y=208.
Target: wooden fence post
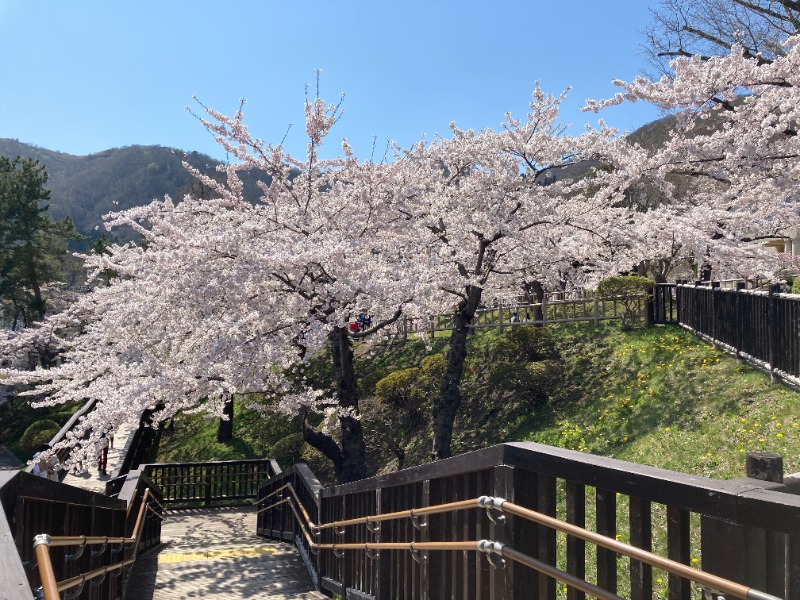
x=773, y=329
x=596, y=311
x=765, y=466
x=749, y=555
x=544, y=309
x=740, y=287
x=715, y=317
x=500, y=315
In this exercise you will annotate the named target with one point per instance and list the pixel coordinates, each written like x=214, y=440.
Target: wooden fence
x=34, y=505
x=745, y=530
x=760, y=326
x=210, y=483
x=585, y=308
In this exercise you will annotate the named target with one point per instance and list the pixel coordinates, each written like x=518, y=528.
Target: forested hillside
x=87, y=187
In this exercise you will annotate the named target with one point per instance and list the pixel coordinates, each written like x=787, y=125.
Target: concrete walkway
x=91, y=479
x=215, y=554
x=212, y=554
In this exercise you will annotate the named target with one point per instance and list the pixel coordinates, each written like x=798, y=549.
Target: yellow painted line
x=214, y=554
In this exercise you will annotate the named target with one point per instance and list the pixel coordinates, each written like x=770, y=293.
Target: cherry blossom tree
x=495, y=210
x=230, y=298
x=708, y=28
x=729, y=173
x=226, y=297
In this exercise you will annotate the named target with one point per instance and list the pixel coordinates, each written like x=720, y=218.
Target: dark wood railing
x=745, y=530
x=302, y=486
x=762, y=327
x=34, y=505
x=210, y=483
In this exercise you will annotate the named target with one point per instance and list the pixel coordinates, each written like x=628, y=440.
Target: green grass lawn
x=631, y=395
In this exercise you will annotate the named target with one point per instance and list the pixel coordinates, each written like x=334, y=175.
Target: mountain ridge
x=87, y=187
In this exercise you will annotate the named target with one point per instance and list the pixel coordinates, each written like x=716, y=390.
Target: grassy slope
x=624, y=394
x=662, y=388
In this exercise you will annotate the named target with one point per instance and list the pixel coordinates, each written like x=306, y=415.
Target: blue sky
x=88, y=75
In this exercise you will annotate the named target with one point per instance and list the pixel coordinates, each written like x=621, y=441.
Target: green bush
x=433, y=366
x=38, y=433
x=368, y=381
x=531, y=382
x=289, y=450
x=628, y=289
x=400, y=389
x=431, y=373
x=526, y=343
x=796, y=285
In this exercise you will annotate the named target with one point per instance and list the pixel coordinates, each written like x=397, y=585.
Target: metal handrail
x=489, y=547
x=43, y=542
x=290, y=487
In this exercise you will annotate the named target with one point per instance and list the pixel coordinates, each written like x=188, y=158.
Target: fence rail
x=211, y=483
x=73, y=518
x=35, y=505
x=760, y=326
x=585, y=308
x=721, y=524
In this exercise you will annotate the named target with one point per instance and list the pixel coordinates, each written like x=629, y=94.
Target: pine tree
x=32, y=245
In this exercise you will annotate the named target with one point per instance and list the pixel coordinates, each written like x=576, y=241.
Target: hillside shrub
x=38, y=433
x=431, y=372
x=288, y=450
x=526, y=343
x=629, y=290
x=400, y=389
x=528, y=382
x=368, y=381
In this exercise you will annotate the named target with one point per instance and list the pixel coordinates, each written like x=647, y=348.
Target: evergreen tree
x=32, y=245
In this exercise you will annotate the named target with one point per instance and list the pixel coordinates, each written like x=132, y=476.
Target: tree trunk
x=534, y=294
x=349, y=461
x=447, y=403
x=225, y=429
x=37, y=305
x=354, y=449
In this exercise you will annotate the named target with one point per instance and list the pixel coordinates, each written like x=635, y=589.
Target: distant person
x=102, y=454
x=45, y=463
x=364, y=321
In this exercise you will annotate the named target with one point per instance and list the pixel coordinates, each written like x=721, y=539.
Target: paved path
x=214, y=554
x=92, y=479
